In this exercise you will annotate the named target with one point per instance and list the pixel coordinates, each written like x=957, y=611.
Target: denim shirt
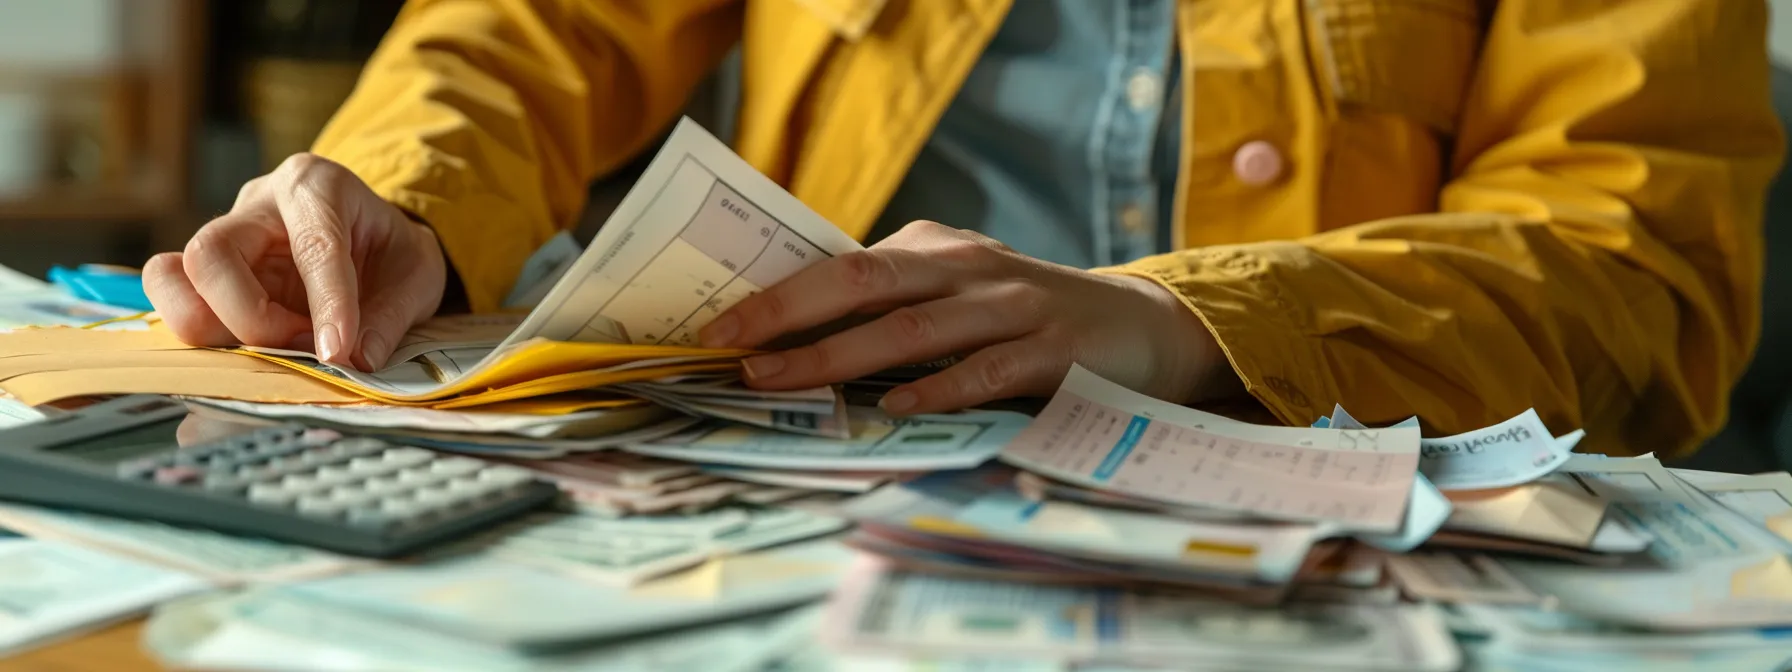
x=1063, y=141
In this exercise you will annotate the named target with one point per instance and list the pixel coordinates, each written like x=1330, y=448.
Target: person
x=1453, y=208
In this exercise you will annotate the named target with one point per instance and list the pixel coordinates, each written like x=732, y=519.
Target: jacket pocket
x=1412, y=58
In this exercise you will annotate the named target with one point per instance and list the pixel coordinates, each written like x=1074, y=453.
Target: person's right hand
x=309, y=259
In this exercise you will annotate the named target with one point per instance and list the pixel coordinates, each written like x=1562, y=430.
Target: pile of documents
x=707, y=525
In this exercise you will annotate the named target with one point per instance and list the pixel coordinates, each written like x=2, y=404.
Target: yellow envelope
x=11, y=367
x=1553, y=510
x=86, y=341
x=261, y=386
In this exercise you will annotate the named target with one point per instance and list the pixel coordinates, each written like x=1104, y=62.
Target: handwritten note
x=1101, y=435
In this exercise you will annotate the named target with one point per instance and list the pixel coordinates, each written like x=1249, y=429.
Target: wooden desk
x=114, y=649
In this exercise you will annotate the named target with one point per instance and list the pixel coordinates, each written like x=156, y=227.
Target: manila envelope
x=1552, y=510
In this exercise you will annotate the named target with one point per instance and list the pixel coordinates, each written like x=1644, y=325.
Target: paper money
x=1458, y=577
x=1100, y=435
x=1763, y=498
x=595, y=422
x=878, y=443
x=509, y=604
x=1549, y=631
x=1516, y=451
x=833, y=481
x=983, y=505
x=50, y=589
x=216, y=556
x=834, y=424
x=878, y=609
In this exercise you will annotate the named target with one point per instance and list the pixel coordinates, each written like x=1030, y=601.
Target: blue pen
x=110, y=285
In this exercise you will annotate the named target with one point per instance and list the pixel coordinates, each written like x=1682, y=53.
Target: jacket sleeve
x=488, y=119
x=1596, y=254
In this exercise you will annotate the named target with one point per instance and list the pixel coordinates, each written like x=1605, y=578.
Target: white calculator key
x=333, y=476
x=272, y=494
x=455, y=466
x=504, y=476
x=403, y=507
x=415, y=478
x=435, y=497
x=385, y=487
x=370, y=466
x=406, y=456
x=320, y=505
x=320, y=436
x=301, y=483
x=353, y=496
x=357, y=447
x=369, y=518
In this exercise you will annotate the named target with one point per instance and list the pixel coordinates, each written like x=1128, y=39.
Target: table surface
x=114, y=649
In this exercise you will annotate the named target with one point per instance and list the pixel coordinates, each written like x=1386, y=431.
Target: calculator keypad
x=319, y=473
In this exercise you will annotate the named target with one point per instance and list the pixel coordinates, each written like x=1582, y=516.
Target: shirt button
x=1143, y=89
x=1257, y=163
x=1132, y=218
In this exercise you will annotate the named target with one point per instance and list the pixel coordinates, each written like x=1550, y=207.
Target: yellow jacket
x=1477, y=209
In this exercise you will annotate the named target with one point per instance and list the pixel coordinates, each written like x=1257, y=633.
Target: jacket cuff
x=1235, y=290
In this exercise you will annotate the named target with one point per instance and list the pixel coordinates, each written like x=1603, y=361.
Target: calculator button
x=225, y=483
x=401, y=508
x=301, y=483
x=353, y=496
x=357, y=447
x=321, y=506
x=437, y=497
x=505, y=477
x=138, y=468
x=272, y=494
x=455, y=466
x=177, y=475
x=332, y=476
x=416, y=478
x=374, y=519
x=317, y=457
x=319, y=436
x=407, y=457
x=385, y=487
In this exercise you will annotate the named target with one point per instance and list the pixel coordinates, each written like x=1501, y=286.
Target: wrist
x=1194, y=368
x=452, y=299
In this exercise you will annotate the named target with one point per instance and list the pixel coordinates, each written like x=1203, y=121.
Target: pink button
x=1257, y=163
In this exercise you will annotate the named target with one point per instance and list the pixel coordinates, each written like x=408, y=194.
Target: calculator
x=146, y=456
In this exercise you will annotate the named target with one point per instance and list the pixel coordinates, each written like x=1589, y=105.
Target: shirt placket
x=1125, y=213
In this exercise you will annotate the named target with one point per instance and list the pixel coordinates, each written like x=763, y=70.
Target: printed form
x=1101, y=435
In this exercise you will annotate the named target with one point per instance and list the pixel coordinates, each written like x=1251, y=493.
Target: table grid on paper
x=729, y=249
x=1140, y=456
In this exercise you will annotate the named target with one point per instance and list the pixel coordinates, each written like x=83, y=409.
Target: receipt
x=1516, y=451
x=1101, y=435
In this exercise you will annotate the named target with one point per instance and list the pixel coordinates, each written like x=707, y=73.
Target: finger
x=1027, y=367
x=321, y=251
x=385, y=318
x=217, y=263
x=906, y=335
x=826, y=291
x=179, y=304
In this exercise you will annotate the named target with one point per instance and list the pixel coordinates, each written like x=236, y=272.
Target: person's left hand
x=950, y=292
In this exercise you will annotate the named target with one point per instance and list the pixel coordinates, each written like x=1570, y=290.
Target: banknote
x=50, y=589
x=1539, y=630
x=599, y=422
x=833, y=481
x=834, y=424
x=270, y=630
x=1458, y=577
x=215, y=556
x=983, y=504
x=1097, y=434
x=524, y=448
x=494, y=602
x=882, y=610
x=878, y=443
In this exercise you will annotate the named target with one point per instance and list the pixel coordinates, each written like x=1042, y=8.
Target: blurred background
x=125, y=124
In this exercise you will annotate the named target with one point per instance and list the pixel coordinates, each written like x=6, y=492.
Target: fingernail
x=763, y=366
x=374, y=350
x=721, y=332
x=898, y=401
x=329, y=344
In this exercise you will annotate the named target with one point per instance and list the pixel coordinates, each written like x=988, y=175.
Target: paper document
x=1763, y=498
x=13, y=414
x=53, y=308
x=218, y=557
x=268, y=630
x=1713, y=568
x=50, y=589
x=882, y=610
x=1516, y=451
x=13, y=282
x=1553, y=510
x=1098, y=434
x=1458, y=577
x=595, y=422
x=1426, y=508
x=878, y=443
x=508, y=604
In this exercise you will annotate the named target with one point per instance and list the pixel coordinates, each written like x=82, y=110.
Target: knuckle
x=818, y=358
x=965, y=251
x=865, y=271
x=303, y=165
x=998, y=372
x=913, y=325
x=249, y=191
x=924, y=226
x=314, y=246
x=1021, y=298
